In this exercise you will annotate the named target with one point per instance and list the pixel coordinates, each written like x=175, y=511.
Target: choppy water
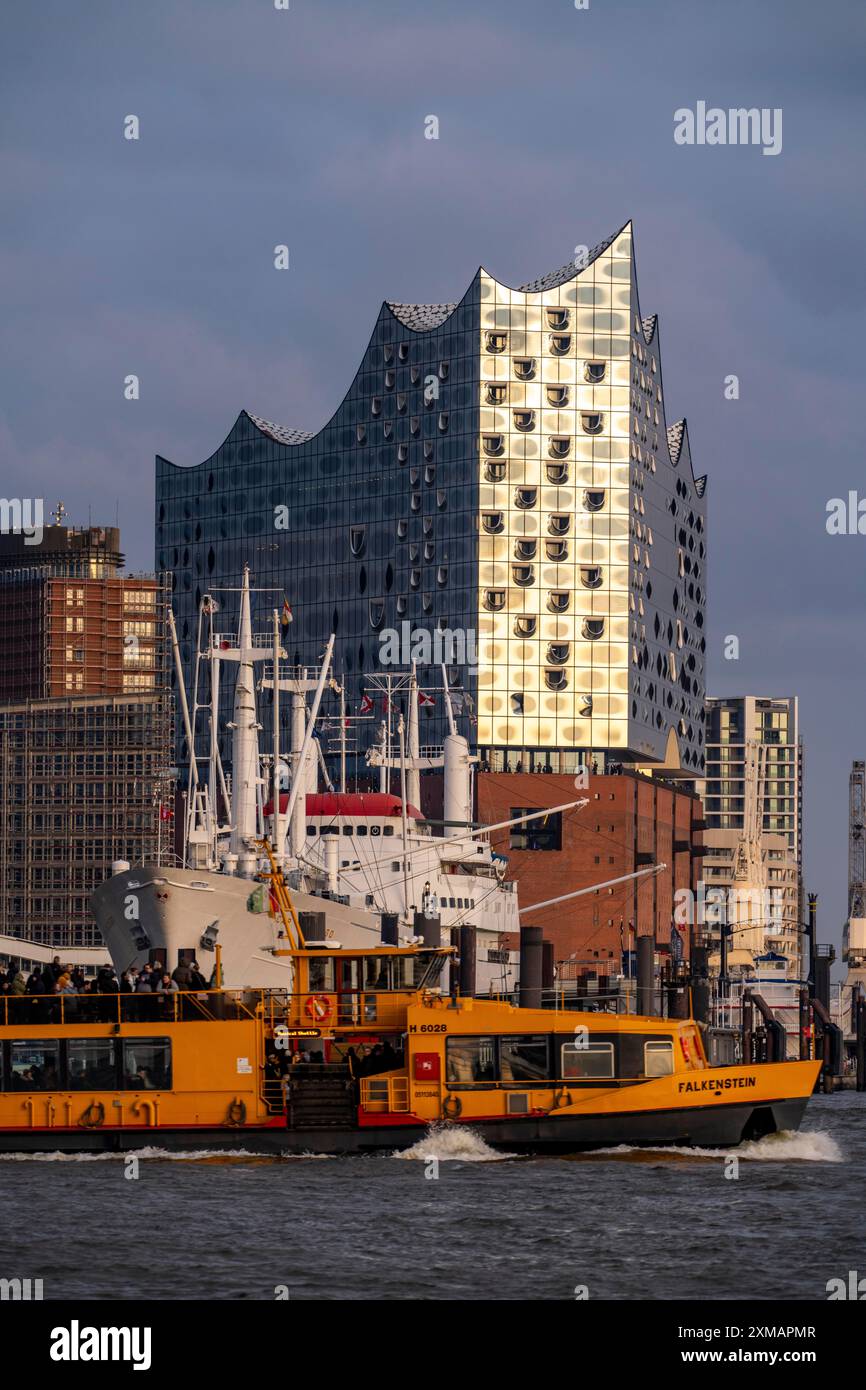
x=627, y=1223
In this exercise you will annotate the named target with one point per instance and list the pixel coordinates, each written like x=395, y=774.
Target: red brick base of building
x=630, y=822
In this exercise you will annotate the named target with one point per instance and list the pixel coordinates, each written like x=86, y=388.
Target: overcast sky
x=306, y=127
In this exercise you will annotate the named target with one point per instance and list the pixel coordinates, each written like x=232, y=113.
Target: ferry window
x=427, y=969
x=147, y=1064
x=311, y=830
x=524, y=1058
x=594, y=1061
x=545, y=833
x=330, y=830
x=658, y=1058
x=637, y=1055
x=376, y=974
x=375, y=830
x=360, y=829
x=402, y=972
x=90, y=1064
x=321, y=975
x=388, y=830
x=35, y=1066
x=470, y=1059
x=347, y=829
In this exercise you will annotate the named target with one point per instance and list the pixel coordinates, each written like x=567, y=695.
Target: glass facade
x=500, y=468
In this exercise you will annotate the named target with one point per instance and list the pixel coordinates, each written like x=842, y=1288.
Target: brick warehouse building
x=631, y=821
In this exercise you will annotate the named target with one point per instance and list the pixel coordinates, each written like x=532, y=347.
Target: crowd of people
x=62, y=993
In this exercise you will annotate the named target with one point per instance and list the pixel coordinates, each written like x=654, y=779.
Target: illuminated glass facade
x=501, y=468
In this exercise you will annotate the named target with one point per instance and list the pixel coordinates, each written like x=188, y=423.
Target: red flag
x=166, y=813
x=286, y=615
x=425, y=699
x=366, y=704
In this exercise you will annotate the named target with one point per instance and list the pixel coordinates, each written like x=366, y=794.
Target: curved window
x=525, y=497
x=376, y=405
x=402, y=453
x=494, y=600
x=494, y=472
x=559, y=446
x=430, y=474
x=555, y=680
x=523, y=575
x=493, y=523
x=494, y=444
x=361, y=433
x=415, y=502
x=524, y=368
x=441, y=499
x=557, y=395
x=560, y=344
x=388, y=353
x=414, y=579
x=357, y=537
x=415, y=426
x=402, y=604
x=414, y=375
x=556, y=551
x=496, y=342
x=525, y=549
x=402, y=530
x=516, y=704
x=390, y=379
x=592, y=629
x=593, y=499
x=443, y=371
x=388, y=428
x=591, y=576
x=377, y=613
x=558, y=653
x=429, y=551
x=524, y=420
x=525, y=626
x=443, y=421
x=557, y=318
x=496, y=393
x=584, y=709
x=557, y=472
x=557, y=600
x=558, y=524
x=403, y=352
x=442, y=576
x=594, y=371
x=592, y=421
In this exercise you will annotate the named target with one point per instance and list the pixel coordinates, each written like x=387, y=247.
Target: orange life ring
x=318, y=1008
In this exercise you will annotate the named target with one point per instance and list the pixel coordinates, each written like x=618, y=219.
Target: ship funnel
x=457, y=805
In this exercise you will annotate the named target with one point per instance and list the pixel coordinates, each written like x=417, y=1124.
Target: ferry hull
x=706, y=1126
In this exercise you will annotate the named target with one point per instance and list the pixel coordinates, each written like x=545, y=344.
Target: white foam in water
x=452, y=1144
x=785, y=1146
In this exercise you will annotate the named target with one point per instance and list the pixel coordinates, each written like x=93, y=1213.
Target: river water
x=448, y=1219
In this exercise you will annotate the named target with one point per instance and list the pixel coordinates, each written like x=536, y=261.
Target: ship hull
x=148, y=908
x=706, y=1126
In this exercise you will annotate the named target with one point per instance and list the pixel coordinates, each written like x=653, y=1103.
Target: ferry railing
x=385, y=1094
x=163, y=1006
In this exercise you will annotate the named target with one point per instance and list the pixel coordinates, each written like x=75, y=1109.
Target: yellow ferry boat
x=221, y=1068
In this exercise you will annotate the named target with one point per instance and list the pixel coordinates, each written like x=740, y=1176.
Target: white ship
x=366, y=866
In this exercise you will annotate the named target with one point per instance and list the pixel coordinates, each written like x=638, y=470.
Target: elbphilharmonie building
x=503, y=468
